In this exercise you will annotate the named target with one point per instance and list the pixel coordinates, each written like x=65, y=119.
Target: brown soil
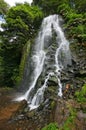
x=8, y=110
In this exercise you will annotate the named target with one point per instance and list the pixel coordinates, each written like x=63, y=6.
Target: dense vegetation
x=19, y=28
x=3, y=7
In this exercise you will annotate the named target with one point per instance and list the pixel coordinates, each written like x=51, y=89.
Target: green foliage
x=81, y=95
x=49, y=6
x=3, y=7
x=78, y=32
x=51, y=126
x=64, y=10
x=22, y=22
x=11, y=55
x=80, y=5
x=75, y=22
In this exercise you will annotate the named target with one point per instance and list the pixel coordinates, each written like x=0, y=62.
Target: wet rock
x=53, y=81
x=22, y=105
x=81, y=115
x=30, y=114
x=61, y=112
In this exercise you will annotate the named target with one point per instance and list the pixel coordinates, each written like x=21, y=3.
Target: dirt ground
x=8, y=109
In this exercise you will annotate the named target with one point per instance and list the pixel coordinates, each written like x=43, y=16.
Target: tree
x=80, y=5
x=22, y=22
x=49, y=6
x=3, y=7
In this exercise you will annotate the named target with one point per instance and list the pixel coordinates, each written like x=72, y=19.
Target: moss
x=51, y=89
x=53, y=104
x=26, y=52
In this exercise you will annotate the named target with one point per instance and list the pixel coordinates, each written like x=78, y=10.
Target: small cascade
x=51, y=57
x=39, y=96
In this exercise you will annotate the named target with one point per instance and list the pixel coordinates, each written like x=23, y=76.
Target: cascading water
x=39, y=96
x=61, y=59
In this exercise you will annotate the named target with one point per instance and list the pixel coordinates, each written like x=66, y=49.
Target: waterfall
x=61, y=58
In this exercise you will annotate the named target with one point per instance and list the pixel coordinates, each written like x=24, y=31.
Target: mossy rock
x=52, y=104
x=25, y=53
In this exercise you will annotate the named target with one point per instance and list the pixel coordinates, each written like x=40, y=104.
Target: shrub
x=81, y=95
x=51, y=126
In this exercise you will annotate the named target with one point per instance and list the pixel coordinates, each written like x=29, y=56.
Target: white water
x=62, y=59
x=39, y=96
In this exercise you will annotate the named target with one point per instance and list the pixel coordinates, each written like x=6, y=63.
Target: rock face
x=73, y=79
x=69, y=114
x=75, y=75
x=78, y=53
